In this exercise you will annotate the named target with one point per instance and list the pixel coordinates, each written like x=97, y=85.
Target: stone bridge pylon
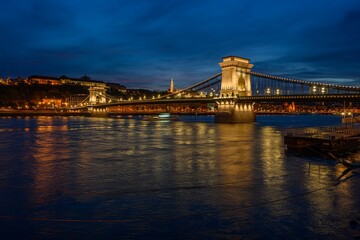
x=234, y=84
x=97, y=95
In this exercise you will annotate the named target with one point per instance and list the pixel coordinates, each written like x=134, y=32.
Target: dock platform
x=325, y=139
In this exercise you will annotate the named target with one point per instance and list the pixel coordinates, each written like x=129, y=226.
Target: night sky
x=144, y=43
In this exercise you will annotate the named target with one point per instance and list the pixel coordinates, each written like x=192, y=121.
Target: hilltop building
x=43, y=80
x=84, y=81
x=117, y=86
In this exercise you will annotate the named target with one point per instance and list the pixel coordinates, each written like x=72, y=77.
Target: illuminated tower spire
x=171, y=86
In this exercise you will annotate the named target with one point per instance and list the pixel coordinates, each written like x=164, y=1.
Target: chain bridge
x=230, y=94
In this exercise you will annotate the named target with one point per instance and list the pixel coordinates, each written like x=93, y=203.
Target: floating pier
x=350, y=120
x=328, y=139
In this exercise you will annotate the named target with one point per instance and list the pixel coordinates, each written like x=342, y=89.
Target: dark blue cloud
x=145, y=43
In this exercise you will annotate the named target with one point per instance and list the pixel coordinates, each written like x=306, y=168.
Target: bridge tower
x=234, y=84
x=234, y=80
x=97, y=95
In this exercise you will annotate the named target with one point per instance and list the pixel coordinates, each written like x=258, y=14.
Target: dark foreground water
x=125, y=178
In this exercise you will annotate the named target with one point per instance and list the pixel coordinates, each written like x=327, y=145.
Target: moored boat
x=164, y=116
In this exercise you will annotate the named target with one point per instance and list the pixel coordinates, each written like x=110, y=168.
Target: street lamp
x=314, y=89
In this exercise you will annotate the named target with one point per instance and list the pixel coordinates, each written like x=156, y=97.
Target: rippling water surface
x=125, y=178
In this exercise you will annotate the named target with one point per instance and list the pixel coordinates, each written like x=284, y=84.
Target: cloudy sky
x=144, y=43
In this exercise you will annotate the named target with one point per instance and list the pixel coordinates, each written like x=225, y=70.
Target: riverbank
x=15, y=113
x=24, y=113
x=19, y=113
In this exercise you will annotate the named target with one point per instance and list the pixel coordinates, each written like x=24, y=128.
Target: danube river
x=126, y=178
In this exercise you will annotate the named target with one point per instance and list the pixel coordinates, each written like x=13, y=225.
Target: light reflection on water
x=127, y=178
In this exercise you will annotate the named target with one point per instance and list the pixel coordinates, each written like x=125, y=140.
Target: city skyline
x=145, y=44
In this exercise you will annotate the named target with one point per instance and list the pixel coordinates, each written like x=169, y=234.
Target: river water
x=126, y=178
